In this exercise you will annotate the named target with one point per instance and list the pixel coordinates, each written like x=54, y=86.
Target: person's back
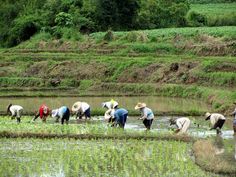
x=62, y=110
x=148, y=113
x=84, y=106
x=183, y=124
x=15, y=108
x=121, y=115
x=120, y=112
x=215, y=117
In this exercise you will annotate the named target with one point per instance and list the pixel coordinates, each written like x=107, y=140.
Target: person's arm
x=144, y=114
x=179, y=126
x=36, y=116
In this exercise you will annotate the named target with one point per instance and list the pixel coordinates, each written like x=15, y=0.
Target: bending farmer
x=109, y=114
x=146, y=114
x=120, y=115
x=81, y=109
x=217, y=121
x=62, y=113
x=182, y=124
x=110, y=104
x=16, y=111
x=43, y=113
x=234, y=121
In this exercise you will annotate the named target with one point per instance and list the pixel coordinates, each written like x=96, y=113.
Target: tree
x=116, y=14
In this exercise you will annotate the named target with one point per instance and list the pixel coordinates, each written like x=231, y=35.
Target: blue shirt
x=120, y=113
x=62, y=110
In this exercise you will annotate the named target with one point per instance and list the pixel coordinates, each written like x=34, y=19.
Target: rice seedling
x=96, y=158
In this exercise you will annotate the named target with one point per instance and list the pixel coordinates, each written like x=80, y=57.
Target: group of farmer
x=117, y=116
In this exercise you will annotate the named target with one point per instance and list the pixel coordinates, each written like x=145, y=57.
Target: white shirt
x=110, y=113
x=215, y=117
x=15, y=108
x=181, y=121
x=110, y=104
x=84, y=106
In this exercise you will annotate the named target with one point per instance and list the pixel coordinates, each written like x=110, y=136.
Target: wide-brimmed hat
x=76, y=106
x=207, y=115
x=172, y=121
x=140, y=105
x=55, y=112
x=114, y=104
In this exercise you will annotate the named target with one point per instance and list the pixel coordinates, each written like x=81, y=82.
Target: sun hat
x=114, y=103
x=172, y=121
x=207, y=114
x=55, y=112
x=140, y=105
x=76, y=106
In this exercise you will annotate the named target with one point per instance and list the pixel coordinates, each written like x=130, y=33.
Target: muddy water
x=164, y=104
x=161, y=124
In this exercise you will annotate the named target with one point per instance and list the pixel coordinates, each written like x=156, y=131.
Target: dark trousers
x=66, y=117
x=87, y=113
x=122, y=120
x=148, y=123
x=234, y=126
x=219, y=124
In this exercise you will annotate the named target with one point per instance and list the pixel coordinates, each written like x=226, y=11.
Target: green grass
x=96, y=158
x=214, y=9
x=219, y=14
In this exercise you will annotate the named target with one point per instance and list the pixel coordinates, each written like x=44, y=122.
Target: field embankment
x=215, y=157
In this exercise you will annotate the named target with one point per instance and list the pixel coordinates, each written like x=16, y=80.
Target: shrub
x=109, y=36
x=23, y=28
x=64, y=19
x=196, y=19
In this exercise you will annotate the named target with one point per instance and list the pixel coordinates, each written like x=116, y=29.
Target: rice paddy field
x=56, y=157
x=92, y=148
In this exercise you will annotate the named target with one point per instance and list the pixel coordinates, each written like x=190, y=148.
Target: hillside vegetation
x=185, y=62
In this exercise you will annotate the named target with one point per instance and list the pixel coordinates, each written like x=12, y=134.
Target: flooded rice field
x=163, y=104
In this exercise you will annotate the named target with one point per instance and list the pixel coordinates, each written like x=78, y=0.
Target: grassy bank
x=207, y=157
x=218, y=14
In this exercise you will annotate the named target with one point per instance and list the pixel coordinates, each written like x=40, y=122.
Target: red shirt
x=43, y=111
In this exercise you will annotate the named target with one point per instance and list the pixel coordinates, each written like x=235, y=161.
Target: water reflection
x=154, y=102
x=219, y=144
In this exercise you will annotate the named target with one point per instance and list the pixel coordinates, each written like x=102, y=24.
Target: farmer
x=120, y=115
x=109, y=114
x=234, y=122
x=62, y=113
x=43, y=113
x=182, y=124
x=146, y=113
x=81, y=109
x=16, y=111
x=110, y=104
x=217, y=121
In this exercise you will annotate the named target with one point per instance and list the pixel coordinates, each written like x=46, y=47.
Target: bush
x=64, y=19
x=23, y=28
x=196, y=19
x=109, y=36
